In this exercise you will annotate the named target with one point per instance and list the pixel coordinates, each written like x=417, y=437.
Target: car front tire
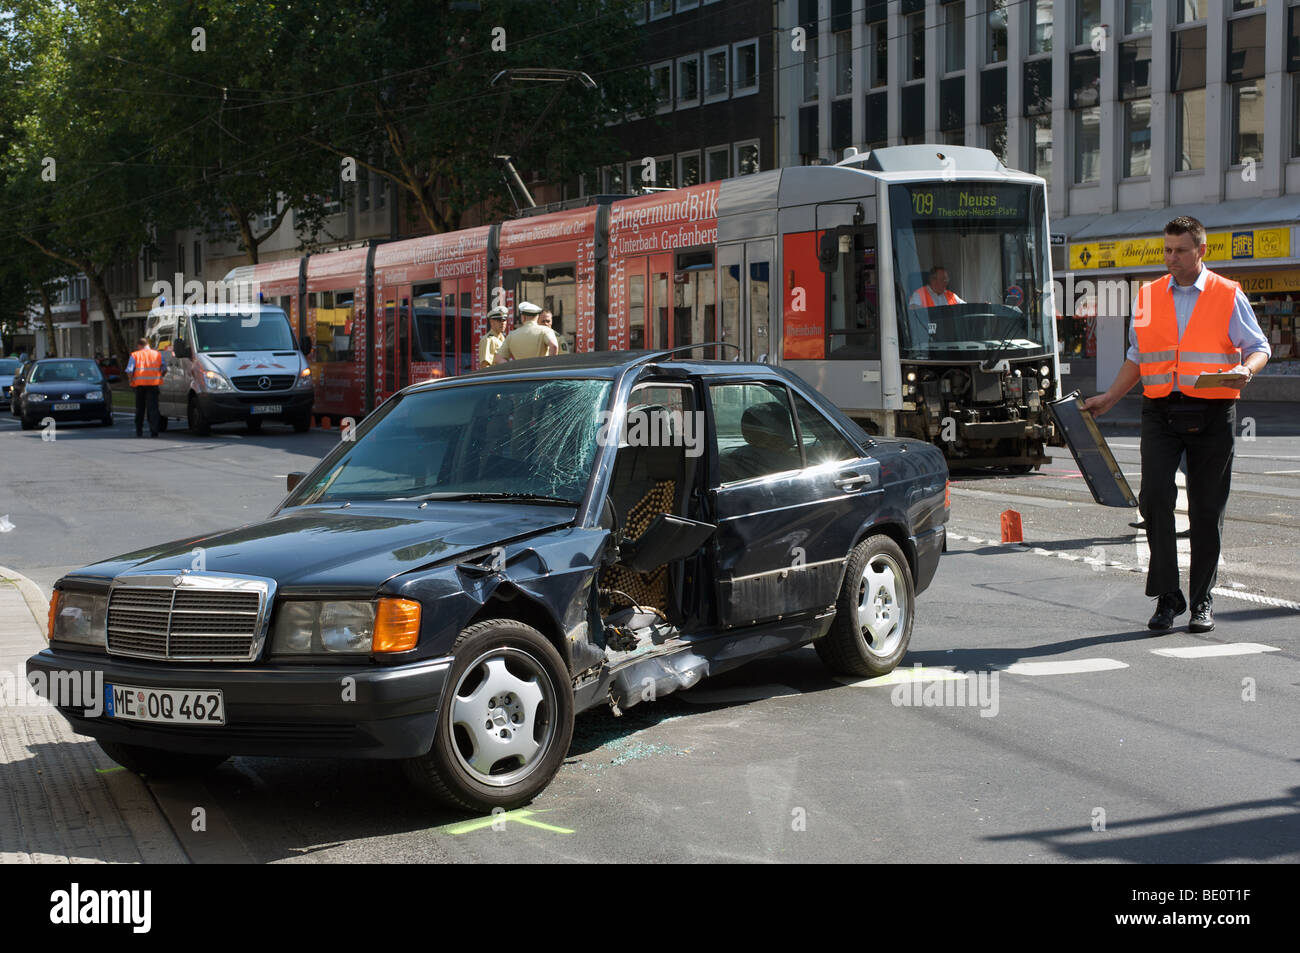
x=199, y=425
x=28, y=423
x=873, y=615
x=157, y=763
x=505, y=720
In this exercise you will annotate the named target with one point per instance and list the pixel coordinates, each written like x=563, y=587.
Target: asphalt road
x=1088, y=746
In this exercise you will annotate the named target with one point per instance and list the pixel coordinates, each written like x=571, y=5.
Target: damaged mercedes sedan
x=495, y=553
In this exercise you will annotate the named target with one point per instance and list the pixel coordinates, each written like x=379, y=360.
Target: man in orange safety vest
x=1194, y=344
x=145, y=372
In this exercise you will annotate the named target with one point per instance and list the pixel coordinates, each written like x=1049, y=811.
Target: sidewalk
x=62, y=800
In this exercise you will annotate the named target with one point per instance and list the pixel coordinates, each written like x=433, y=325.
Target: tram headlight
x=911, y=376
x=1044, y=370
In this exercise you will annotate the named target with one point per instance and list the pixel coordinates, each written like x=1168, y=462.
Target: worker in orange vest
x=935, y=291
x=1186, y=324
x=145, y=372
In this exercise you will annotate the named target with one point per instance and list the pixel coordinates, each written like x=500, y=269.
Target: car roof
x=612, y=364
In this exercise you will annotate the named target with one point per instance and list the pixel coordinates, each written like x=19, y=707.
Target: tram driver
x=935, y=291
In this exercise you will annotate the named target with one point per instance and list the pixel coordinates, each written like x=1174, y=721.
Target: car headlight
x=216, y=382
x=94, y=395
x=78, y=617
x=346, y=628
x=37, y=398
x=304, y=378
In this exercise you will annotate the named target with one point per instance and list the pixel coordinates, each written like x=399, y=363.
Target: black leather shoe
x=1171, y=604
x=1202, y=617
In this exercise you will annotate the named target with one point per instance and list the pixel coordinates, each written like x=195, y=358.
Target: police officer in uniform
x=145, y=371
x=491, y=342
x=1188, y=323
x=530, y=339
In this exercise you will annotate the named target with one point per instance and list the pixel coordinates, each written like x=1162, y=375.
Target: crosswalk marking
x=1065, y=666
x=1213, y=651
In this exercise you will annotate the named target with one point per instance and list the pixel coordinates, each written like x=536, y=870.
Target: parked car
x=9, y=368
x=499, y=551
x=65, y=389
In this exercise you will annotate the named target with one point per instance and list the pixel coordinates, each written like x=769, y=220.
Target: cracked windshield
x=531, y=440
x=969, y=270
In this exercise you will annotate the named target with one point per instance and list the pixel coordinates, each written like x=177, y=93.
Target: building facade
x=1134, y=111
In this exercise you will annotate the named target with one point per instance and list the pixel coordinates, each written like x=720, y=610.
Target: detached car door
x=790, y=492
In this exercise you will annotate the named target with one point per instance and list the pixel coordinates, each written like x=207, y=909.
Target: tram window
x=661, y=304
x=561, y=299
x=529, y=284
x=332, y=327
x=759, y=309
x=694, y=310
x=854, y=315
x=636, y=312
x=729, y=332
x=466, y=332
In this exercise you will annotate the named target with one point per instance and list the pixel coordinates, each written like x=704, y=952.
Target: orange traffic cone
x=1011, y=530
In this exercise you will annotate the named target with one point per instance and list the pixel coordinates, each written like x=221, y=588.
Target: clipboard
x=1219, y=379
x=1097, y=464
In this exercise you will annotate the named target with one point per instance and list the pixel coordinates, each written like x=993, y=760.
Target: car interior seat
x=769, y=446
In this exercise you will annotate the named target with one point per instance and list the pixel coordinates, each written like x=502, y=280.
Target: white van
x=230, y=362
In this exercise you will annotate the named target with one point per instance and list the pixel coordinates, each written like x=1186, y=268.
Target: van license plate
x=171, y=706
x=67, y=406
x=265, y=408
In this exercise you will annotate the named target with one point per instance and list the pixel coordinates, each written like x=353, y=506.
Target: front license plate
x=170, y=706
x=67, y=406
x=266, y=408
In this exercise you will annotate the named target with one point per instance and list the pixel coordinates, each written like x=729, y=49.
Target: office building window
x=198, y=258
x=809, y=135
x=688, y=169
x=687, y=5
x=1038, y=87
x=1239, y=5
x=744, y=60
x=993, y=95
x=1040, y=146
x=1087, y=17
x=1246, y=48
x=995, y=139
x=1293, y=39
x=615, y=180
x=995, y=50
x=1135, y=69
x=1295, y=117
x=877, y=119
x=1040, y=27
x=879, y=55
x=1085, y=79
x=664, y=177
x=688, y=81
x=1137, y=16
x=660, y=9
x=912, y=113
x=954, y=36
x=719, y=165
x=1247, y=121
x=1188, y=11
x=952, y=104
x=180, y=258
x=1087, y=144
x=810, y=70
x=916, y=46
x=1188, y=60
x=746, y=158
x=715, y=74
x=843, y=63
x=1137, y=138
x=661, y=81
x=1190, y=137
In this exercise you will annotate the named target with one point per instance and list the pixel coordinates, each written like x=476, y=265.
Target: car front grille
x=185, y=624
x=250, y=381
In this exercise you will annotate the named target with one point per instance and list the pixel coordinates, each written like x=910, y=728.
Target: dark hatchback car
x=65, y=389
x=496, y=552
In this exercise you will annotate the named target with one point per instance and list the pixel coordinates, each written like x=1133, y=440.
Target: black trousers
x=146, y=402
x=1209, y=480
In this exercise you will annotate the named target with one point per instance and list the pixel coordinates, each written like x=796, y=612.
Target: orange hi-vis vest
x=928, y=300
x=1205, y=346
x=148, y=368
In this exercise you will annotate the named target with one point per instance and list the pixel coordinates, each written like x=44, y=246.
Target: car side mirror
x=305, y=344
x=182, y=349
x=667, y=539
x=293, y=479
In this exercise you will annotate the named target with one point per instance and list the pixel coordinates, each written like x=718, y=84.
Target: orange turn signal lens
x=54, y=614
x=397, y=625
x=947, y=494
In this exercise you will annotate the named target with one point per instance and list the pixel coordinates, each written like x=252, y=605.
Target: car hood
x=255, y=362
x=58, y=388
x=343, y=548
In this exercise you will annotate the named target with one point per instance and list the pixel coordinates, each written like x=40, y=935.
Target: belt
x=1180, y=396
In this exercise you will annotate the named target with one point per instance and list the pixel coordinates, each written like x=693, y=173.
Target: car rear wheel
x=505, y=722
x=198, y=422
x=28, y=423
x=873, y=615
x=157, y=763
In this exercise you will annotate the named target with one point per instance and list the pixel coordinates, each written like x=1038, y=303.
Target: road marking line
x=1212, y=651
x=1065, y=666
x=1277, y=472
x=521, y=816
x=902, y=676
x=739, y=693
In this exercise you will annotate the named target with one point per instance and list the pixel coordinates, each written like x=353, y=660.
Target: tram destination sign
x=968, y=202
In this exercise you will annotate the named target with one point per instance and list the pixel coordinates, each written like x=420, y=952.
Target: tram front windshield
x=970, y=270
